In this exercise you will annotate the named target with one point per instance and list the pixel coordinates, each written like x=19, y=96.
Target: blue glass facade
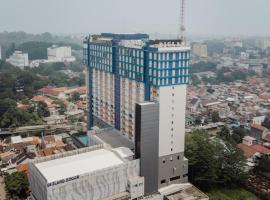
x=168, y=68
x=147, y=64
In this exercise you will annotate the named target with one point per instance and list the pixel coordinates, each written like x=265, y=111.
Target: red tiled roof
x=49, y=139
x=247, y=150
x=22, y=168
x=53, y=91
x=47, y=152
x=251, y=150
x=261, y=149
x=43, y=99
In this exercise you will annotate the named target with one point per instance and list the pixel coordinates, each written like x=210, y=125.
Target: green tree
x=238, y=134
x=202, y=67
x=198, y=121
x=6, y=104
x=75, y=96
x=263, y=166
x=202, y=161
x=35, y=50
x=15, y=117
x=195, y=80
x=213, y=162
x=224, y=133
x=210, y=90
x=62, y=107
x=17, y=185
x=42, y=109
x=232, y=163
x=215, y=117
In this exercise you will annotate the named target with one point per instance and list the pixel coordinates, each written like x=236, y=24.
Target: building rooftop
x=258, y=127
x=114, y=138
x=249, y=138
x=124, y=152
x=182, y=191
x=79, y=164
x=126, y=36
x=250, y=151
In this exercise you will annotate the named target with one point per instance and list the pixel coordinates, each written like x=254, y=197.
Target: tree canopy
x=213, y=162
x=35, y=50
x=215, y=117
x=202, y=67
x=42, y=109
x=17, y=185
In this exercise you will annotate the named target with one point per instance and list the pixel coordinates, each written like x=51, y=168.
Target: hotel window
x=155, y=56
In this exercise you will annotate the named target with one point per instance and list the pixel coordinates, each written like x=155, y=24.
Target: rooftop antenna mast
x=182, y=20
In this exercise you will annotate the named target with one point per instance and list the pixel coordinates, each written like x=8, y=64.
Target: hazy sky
x=206, y=17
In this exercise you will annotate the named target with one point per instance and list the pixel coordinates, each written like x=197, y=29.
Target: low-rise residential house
x=7, y=156
x=254, y=151
x=55, y=119
x=249, y=141
x=72, y=110
x=194, y=105
x=23, y=168
x=257, y=131
x=51, y=141
x=266, y=137
x=258, y=120
x=53, y=91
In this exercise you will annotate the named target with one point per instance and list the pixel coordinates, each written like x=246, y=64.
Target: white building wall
x=19, y=59
x=60, y=54
x=93, y=186
x=132, y=92
x=172, y=100
x=38, y=183
x=103, y=96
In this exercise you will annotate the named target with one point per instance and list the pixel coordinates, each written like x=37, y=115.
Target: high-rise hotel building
x=127, y=69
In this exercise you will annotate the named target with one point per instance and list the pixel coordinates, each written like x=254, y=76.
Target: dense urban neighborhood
x=173, y=114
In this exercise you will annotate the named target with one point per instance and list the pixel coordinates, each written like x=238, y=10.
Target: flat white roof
x=79, y=164
x=123, y=152
x=16, y=139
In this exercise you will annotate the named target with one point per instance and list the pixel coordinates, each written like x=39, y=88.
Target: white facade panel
x=172, y=100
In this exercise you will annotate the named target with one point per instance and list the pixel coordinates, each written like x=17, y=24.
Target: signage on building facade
x=63, y=181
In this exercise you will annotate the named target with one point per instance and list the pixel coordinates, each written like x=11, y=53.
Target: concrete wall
x=172, y=169
x=38, y=183
x=146, y=143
